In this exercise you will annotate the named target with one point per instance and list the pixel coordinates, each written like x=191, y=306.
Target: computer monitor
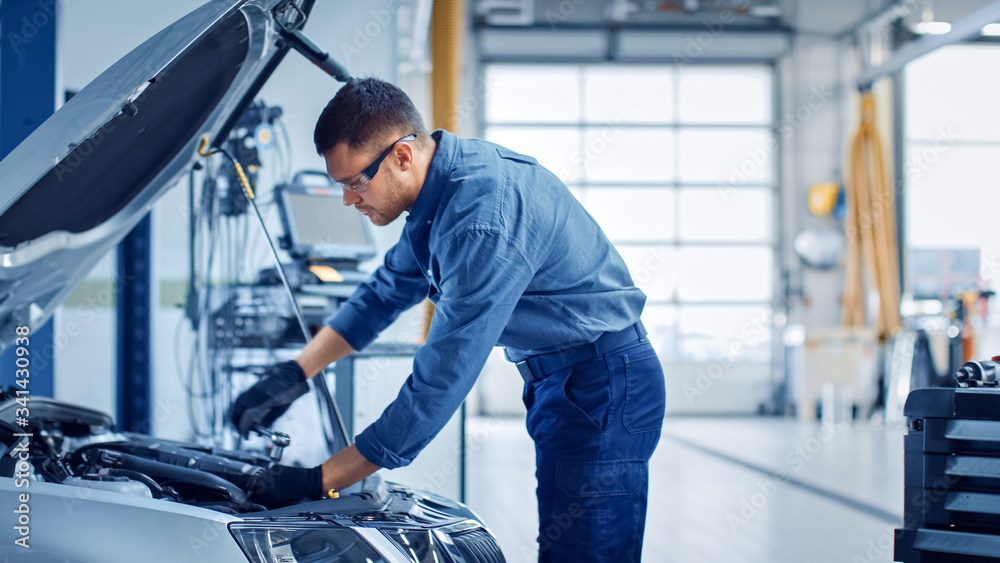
x=318, y=225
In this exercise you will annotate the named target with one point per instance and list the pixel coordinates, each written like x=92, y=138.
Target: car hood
x=81, y=181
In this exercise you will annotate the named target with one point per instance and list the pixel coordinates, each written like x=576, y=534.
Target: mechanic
x=508, y=257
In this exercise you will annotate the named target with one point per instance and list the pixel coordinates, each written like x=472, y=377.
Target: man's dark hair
x=364, y=112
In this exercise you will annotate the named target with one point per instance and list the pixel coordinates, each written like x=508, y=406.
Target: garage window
x=952, y=145
x=674, y=163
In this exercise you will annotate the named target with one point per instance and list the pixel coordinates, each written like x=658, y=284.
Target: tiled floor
x=755, y=490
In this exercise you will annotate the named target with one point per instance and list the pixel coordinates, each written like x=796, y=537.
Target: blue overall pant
x=595, y=414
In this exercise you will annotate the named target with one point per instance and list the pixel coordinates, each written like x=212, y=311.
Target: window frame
x=581, y=185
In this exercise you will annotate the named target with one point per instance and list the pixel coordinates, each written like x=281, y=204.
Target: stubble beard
x=396, y=202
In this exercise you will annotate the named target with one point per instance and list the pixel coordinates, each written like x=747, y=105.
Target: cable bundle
x=871, y=230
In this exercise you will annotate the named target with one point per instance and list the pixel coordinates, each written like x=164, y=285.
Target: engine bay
x=78, y=446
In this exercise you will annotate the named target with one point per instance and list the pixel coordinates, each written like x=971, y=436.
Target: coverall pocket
x=528, y=396
x=588, y=390
x=595, y=513
x=593, y=479
x=645, y=392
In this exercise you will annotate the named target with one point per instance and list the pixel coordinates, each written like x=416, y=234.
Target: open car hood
x=81, y=181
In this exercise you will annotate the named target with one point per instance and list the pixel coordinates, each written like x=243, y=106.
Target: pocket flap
x=600, y=478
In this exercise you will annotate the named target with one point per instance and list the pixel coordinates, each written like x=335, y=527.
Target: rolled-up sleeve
x=396, y=285
x=483, y=274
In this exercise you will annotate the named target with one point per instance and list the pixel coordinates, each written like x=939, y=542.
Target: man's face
x=384, y=197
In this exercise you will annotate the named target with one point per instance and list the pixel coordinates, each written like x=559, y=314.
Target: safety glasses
x=367, y=174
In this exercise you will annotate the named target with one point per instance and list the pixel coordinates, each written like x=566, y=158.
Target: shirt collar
x=440, y=169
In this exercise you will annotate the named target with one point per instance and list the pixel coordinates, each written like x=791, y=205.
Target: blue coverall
x=509, y=257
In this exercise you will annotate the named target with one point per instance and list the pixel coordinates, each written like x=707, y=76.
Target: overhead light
x=992, y=30
x=932, y=28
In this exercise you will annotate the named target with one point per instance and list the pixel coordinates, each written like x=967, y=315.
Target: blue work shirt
x=508, y=256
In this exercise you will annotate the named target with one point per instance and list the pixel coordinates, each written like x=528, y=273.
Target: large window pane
x=724, y=273
x=711, y=349
x=711, y=214
x=707, y=332
x=621, y=154
x=653, y=269
x=954, y=93
x=661, y=325
x=623, y=137
x=629, y=94
x=556, y=148
x=950, y=100
x=579, y=193
x=943, y=190
x=530, y=93
x=660, y=320
x=730, y=157
x=633, y=214
x=725, y=94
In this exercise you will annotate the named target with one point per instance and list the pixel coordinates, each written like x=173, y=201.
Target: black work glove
x=269, y=398
x=282, y=485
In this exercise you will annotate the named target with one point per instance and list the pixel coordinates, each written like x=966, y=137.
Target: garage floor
x=755, y=490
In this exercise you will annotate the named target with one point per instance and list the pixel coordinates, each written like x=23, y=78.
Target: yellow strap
x=243, y=180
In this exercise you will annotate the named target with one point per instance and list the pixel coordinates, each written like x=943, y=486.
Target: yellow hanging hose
x=447, y=31
x=871, y=229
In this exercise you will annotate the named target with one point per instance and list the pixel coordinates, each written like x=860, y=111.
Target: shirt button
x=429, y=273
x=428, y=221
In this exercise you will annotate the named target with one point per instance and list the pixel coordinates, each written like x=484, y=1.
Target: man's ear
x=404, y=154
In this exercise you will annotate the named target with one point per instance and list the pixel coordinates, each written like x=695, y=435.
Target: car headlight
x=302, y=543
x=419, y=545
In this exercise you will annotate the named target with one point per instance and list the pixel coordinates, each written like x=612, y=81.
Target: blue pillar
x=27, y=98
x=134, y=326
